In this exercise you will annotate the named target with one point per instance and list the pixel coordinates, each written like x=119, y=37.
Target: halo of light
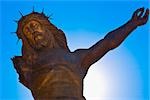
x=114, y=77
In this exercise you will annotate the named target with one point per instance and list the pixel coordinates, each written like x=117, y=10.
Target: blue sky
x=122, y=74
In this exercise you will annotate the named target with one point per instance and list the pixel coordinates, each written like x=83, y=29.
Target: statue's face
x=36, y=34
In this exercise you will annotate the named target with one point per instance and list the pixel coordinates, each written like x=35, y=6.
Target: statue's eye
x=27, y=29
x=34, y=25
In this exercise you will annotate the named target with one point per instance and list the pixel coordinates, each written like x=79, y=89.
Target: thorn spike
x=49, y=17
x=16, y=21
x=13, y=32
x=33, y=10
x=21, y=14
x=42, y=11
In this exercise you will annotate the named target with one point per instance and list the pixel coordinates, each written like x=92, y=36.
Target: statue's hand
x=140, y=17
x=22, y=70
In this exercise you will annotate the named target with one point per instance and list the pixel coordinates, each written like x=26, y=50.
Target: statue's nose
x=32, y=28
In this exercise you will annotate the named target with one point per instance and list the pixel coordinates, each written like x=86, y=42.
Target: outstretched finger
x=139, y=10
x=146, y=14
x=144, y=19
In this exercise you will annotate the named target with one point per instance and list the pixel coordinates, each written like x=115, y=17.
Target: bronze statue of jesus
x=49, y=69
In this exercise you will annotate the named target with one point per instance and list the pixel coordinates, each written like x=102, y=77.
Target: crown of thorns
x=32, y=16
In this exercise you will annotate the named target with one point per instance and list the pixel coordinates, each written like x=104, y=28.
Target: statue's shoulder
x=17, y=61
x=22, y=69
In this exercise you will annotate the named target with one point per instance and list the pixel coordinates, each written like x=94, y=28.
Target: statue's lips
x=37, y=36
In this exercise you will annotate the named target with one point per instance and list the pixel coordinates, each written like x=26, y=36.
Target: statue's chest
x=62, y=74
x=60, y=81
x=53, y=58
x=61, y=68
x=57, y=75
x=57, y=67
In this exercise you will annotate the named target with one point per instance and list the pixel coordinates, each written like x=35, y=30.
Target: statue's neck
x=37, y=55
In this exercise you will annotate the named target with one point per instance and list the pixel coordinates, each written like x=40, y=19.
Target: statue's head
x=39, y=33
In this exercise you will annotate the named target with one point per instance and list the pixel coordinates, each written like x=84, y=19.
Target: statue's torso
x=58, y=76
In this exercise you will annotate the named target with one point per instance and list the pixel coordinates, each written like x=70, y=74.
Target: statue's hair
x=58, y=34
x=41, y=18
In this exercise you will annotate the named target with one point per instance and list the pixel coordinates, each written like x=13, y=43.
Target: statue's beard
x=39, y=40
x=43, y=40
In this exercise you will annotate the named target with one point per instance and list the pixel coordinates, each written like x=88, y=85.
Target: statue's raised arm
x=48, y=68
x=113, y=39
